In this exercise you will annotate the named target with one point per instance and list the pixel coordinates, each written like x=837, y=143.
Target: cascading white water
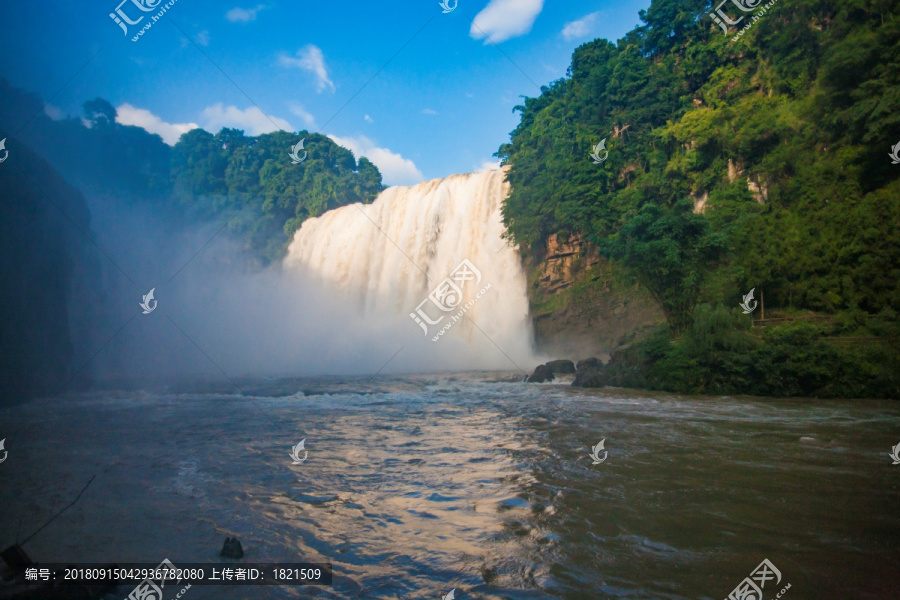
x=391, y=254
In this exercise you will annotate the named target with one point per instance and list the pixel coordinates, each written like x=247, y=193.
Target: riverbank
x=792, y=360
x=583, y=306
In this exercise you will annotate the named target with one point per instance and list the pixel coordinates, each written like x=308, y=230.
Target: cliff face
x=563, y=260
x=582, y=305
x=42, y=253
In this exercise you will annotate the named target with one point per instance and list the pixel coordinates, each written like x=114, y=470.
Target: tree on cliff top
x=253, y=179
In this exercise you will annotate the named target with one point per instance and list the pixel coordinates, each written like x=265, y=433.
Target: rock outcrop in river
x=586, y=370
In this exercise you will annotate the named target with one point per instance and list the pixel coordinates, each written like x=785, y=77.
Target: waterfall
x=414, y=249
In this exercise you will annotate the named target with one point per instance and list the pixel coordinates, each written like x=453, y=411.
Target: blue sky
x=442, y=105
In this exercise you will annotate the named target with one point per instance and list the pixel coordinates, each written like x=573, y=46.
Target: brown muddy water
x=417, y=485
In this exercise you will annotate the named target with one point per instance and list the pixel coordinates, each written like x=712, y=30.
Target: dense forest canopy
x=250, y=182
x=230, y=172
x=784, y=134
x=735, y=162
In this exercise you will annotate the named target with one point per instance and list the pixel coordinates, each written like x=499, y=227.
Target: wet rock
x=562, y=367
x=541, y=374
x=589, y=373
x=546, y=372
x=589, y=377
x=588, y=363
x=232, y=548
x=16, y=557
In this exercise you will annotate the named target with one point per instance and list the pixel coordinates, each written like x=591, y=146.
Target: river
x=417, y=485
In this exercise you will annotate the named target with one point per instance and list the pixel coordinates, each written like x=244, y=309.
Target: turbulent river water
x=475, y=482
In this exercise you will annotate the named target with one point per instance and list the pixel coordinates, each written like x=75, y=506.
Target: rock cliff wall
x=582, y=305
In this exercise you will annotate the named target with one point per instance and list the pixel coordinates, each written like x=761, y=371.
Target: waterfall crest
x=392, y=254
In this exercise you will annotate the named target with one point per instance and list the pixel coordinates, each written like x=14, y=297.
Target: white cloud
x=580, y=28
x=368, y=119
x=252, y=120
x=299, y=111
x=243, y=15
x=169, y=132
x=310, y=59
x=489, y=165
x=203, y=38
x=504, y=19
x=395, y=170
x=428, y=111
x=54, y=112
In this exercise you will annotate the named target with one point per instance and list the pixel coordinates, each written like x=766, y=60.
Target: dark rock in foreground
x=16, y=558
x=232, y=548
x=541, y=374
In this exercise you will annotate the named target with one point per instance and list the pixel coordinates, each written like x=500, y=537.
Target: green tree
x=670, y=250
x=252, y=182
x=99, y=112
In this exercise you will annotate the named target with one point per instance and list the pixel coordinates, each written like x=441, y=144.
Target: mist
x=220, y=316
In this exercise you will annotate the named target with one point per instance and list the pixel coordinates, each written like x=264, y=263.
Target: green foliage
x=783, y=134
x=718, y=355
x=266, y=196
x=247, y=182
x=718, y=329
x=99, y=112
x=670, y=250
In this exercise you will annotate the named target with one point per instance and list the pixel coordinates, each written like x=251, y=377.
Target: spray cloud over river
x=339, y=304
